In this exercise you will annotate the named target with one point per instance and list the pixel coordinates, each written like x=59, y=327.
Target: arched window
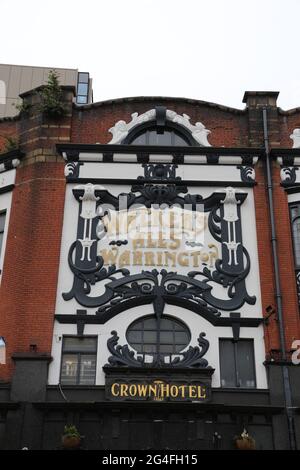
x=153, y=135
x=156, y=338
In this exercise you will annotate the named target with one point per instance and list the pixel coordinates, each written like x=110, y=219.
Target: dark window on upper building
x=82, y=88
x=152, y=137
x=167, y=337
x=237, y=366
x=79, y=357
x=295, y=222
x=2, y=226
x=295, y=228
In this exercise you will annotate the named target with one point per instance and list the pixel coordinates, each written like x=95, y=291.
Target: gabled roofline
x=139, y=99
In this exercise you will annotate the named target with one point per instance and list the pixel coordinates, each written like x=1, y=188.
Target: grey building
x=17, y=79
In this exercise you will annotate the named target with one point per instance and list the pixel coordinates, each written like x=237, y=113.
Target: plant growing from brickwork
x=51, y=97
x=11, y=143
x=23, y=107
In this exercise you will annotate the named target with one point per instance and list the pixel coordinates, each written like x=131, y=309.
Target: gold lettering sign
x=164, y=258
x=158, y=390
x=166, y=239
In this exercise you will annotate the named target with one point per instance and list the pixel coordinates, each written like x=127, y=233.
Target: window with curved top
x=154, y=337
x=150, y=133
x=152, y=137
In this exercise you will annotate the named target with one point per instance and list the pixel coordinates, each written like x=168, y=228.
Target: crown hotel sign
x=158, y=389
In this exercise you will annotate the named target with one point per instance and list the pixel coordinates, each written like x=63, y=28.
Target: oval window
x=149, y=336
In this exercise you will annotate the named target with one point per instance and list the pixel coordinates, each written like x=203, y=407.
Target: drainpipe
x=278, y=294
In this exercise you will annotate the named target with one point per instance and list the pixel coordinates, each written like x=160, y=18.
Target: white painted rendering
x=196, y=323
x=192, y=172
x=121, y=129
x=295, y=197
x=295, y=136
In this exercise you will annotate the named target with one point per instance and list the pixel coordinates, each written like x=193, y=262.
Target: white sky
x=211, y=50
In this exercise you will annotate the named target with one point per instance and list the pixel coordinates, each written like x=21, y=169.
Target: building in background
x=18, y=79
x=180, y=337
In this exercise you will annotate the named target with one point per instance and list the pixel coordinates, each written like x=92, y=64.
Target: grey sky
x=212, y=50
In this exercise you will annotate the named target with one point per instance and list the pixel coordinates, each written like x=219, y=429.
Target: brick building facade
x=52, y=185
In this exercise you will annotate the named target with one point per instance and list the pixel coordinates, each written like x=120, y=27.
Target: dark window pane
x=69, y=369
x=83, y=77
x=150, y=136
x=166, y=324
x=139, y=140
x=245, y=364
x=167, y=349
x=80, y=344
x=2, y=221
x=237, y=365
x=296, y=239
x=81, y=99
x=1, y=241
x=87, y=369
x=166, y=337
x=82, y=89
x=179, y=140
x=181, y=337
x=150, y=336
x=227, y=364
x=149, y=324
x=142, y=335
x=78, y=363
x=134, y=336
x=149, y=348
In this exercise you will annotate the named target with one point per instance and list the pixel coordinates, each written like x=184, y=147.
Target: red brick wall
x=29, y=282
x=286, y=262
x=7, y=129
x=30, y=271
x=288, y=122
x=228, y=129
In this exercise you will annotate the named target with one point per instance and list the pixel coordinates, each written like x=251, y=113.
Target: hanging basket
x=244, y=441
x=70, y=442
x=245, y=444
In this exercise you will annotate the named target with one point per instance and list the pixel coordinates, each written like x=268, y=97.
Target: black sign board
x=158, y=386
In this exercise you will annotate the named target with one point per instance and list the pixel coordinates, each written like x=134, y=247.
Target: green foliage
x=11, y=143
x=23, y=107
x=51, y=97
x=71, y=430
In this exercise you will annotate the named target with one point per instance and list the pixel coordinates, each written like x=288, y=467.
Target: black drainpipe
x=278, y=295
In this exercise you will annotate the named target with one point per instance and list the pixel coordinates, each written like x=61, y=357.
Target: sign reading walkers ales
x=158, y=387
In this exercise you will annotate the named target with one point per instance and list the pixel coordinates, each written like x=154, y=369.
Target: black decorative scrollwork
x=123, y=356
x=193, y=357
x=288, y=175
x=193, y=291
x=159, y=171
x=247, y=174
x=160, y=287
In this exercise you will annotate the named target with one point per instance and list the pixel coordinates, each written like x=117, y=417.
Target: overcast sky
x=211, y=50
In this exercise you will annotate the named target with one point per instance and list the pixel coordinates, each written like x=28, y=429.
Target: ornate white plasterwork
x=121, y=129
x=295, y=136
